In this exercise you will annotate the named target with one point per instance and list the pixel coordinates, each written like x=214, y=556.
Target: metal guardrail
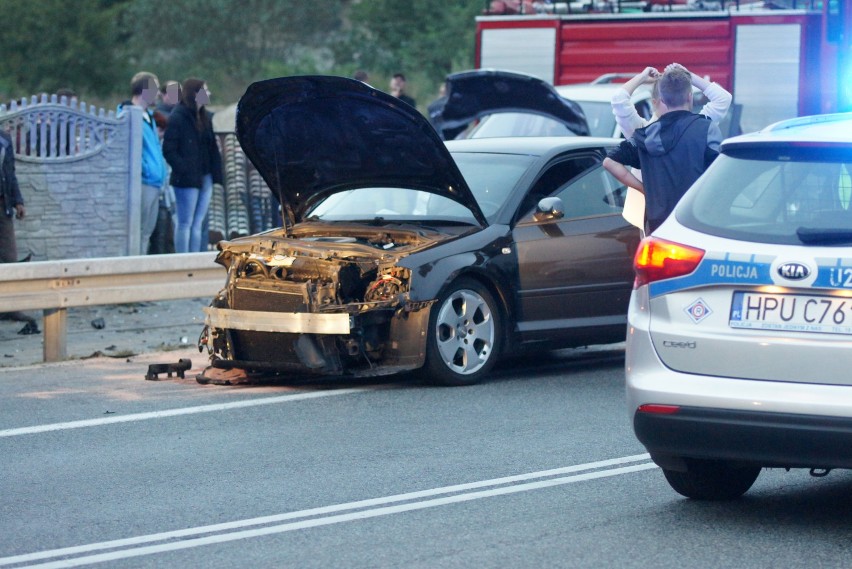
x=55, y=286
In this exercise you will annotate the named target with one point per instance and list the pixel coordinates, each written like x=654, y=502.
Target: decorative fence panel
x=79, y=171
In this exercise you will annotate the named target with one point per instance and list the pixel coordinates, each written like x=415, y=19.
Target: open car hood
x=474, y=94
x=313, y=136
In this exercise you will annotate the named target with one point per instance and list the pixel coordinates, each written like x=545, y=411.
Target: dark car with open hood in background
x=487, y=103
x=399, y=251
x=525, y=105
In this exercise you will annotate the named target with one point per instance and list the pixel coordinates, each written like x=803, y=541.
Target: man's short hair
x=675, y=87
x=165, y=85
x=399, y=76
x=141, y=81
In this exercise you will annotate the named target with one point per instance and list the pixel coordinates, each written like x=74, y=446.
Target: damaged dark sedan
x=399, y=251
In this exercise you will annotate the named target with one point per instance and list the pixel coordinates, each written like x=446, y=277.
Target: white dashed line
x=174, y=412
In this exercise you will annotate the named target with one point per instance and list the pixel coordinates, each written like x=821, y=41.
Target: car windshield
x=598, y=115
x=500, y=125
x=600, y=118
x=491, y=177
x=786, y=196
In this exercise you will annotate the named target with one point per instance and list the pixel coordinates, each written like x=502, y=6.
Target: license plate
x=791, y=312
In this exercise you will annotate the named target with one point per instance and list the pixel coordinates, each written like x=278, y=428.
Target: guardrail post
x=55, y=337
x=56, y=286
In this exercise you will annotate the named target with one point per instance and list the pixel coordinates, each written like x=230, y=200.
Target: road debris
x=154, y=370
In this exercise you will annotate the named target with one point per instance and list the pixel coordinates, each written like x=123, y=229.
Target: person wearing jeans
x=190, y=148
x=192, y=204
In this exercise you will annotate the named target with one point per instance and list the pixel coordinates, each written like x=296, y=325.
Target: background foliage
x=95, y=46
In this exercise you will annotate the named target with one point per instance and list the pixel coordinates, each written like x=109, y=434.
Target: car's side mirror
x=549, y=208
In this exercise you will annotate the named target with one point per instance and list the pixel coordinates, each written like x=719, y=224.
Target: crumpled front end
x=324, y=305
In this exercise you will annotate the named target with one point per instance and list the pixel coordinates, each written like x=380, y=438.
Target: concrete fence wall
x=79, y=170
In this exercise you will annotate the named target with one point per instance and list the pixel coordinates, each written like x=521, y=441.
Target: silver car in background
x=739, y=345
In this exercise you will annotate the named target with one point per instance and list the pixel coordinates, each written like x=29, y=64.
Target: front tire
x=712, y=480
x=465, y=335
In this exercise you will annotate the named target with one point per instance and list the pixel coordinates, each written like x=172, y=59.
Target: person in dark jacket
x=169, y=97
x=11, y=207
x=672, y=152
x=163, y=238
x=11, y=200
x=397, y=89
x=190, y=148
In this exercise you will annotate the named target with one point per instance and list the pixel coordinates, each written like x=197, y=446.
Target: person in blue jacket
x=143, y=93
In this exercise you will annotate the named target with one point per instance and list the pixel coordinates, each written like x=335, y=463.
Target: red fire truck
x=777, y=62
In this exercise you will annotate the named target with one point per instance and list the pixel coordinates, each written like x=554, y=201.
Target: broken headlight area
x=317, y=310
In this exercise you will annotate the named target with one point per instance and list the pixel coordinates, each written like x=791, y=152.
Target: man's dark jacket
x=672, y=153
x=191, y=153
x=9, y=188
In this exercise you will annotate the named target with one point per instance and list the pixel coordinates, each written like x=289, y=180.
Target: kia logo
x=794, y=271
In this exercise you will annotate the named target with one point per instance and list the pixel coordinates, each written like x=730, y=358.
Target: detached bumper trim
x=288, y=322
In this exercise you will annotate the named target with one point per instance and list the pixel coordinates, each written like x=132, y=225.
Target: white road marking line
x=461, y=493
x=174, y=412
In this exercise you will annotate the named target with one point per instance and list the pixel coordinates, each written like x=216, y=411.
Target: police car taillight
x=657, y=409
x=658, y=259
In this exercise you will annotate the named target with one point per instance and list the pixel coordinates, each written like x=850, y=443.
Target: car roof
x=532, y=145
x=829, y=129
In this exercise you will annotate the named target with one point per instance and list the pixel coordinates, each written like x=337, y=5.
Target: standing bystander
x=163, y=238
x=397, y=89
x=191, y=150
x=671, y=152
x=11, y=206
x=362, y=76
x=628, y=119
x=718, y=99
x=169, y=97
x=143, y=90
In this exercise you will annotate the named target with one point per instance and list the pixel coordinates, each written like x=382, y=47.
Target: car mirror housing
x=549, y=208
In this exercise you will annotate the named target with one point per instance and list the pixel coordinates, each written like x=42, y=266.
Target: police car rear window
x=799, y=196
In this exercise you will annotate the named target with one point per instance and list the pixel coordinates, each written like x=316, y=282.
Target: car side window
x=556, y=176
x=596, y=192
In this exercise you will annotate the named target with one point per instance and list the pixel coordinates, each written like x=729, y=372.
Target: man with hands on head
x=719, y=99
x=671, y=152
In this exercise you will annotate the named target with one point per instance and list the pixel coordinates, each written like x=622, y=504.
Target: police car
x=739, y=346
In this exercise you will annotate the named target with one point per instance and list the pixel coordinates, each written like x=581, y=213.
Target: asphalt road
x=536, y=468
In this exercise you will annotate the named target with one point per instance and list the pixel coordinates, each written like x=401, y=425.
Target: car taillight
x=657, y=259
x=657, y=409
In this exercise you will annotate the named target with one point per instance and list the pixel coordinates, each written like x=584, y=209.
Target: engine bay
x=327, y=271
